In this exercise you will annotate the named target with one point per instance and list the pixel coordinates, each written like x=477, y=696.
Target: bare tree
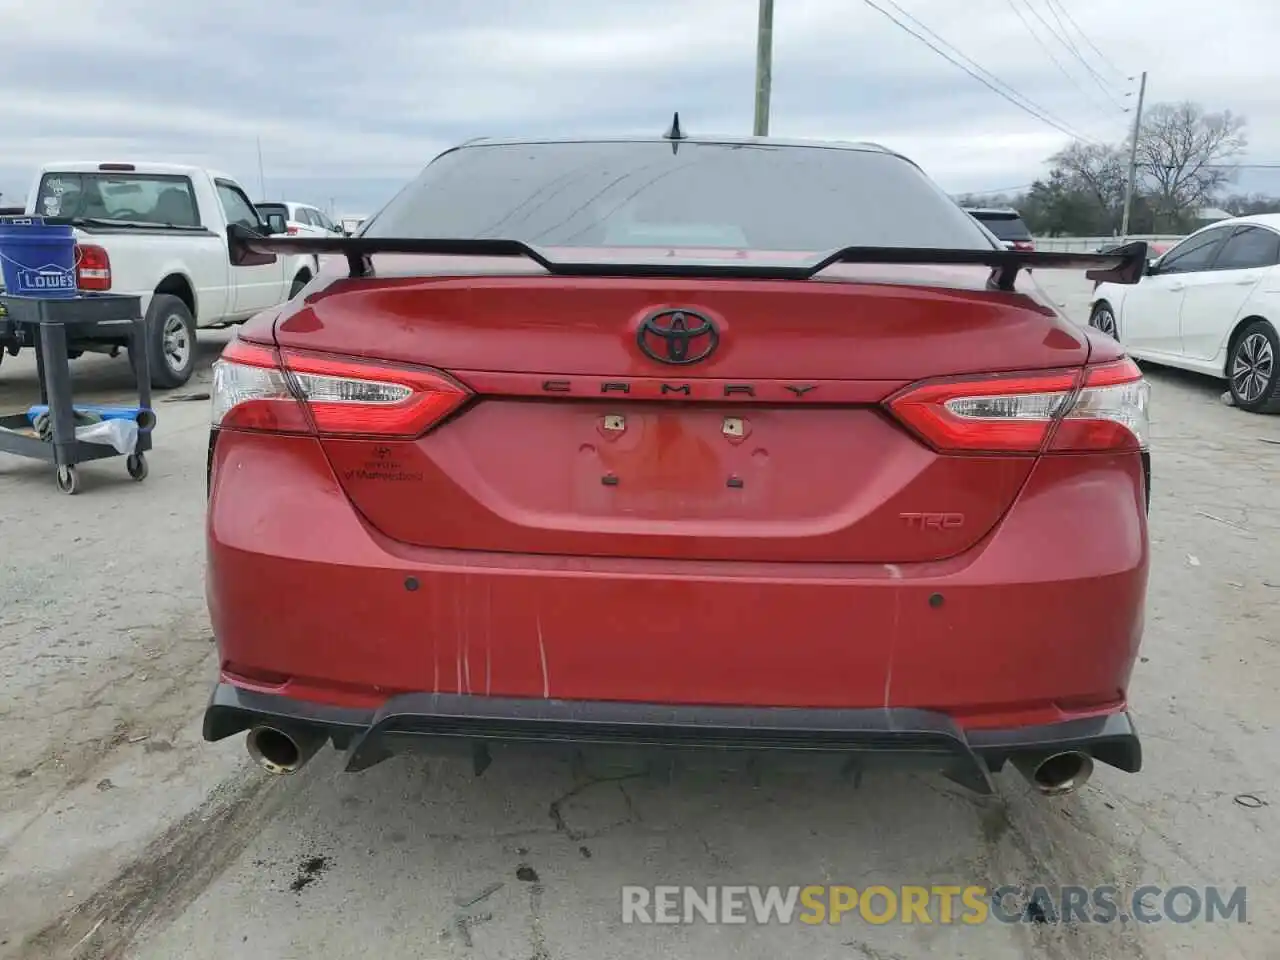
x=1185, y=155
x=1098, y=170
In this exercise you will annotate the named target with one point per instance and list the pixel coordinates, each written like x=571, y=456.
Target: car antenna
x=675, y=134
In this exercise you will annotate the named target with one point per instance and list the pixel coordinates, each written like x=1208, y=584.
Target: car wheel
x=299, y=282
x=1253, y=370
x=1104, y=318
x=172, y=343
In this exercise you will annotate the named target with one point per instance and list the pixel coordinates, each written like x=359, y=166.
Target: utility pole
x=261, y=181
x=1133, y=158
x=764, y=67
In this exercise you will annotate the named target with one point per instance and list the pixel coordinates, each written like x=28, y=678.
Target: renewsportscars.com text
x=936, y=904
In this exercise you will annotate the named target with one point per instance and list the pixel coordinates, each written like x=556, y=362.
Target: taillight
x=294, y=391
x=250, y=391
x=93, y=267
x=293, y=231
x=1109, y=412
x=1030, y=412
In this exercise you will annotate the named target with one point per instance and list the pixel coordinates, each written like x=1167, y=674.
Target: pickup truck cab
x=159, y=231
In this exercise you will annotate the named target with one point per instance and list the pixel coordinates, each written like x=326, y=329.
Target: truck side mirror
x=237, y=237
x=276, y=223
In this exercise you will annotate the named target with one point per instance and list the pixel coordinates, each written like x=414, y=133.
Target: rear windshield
x=131, y=197
x=690, y=195
x=269, y=208
x=1006, y=226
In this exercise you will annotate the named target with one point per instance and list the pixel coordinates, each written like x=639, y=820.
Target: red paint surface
x=806, y=584
x=1047, y=609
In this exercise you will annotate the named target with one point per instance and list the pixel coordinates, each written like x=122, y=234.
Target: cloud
x=350, y=100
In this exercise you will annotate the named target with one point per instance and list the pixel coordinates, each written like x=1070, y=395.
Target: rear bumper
x=903, y=735
x=1038, y=624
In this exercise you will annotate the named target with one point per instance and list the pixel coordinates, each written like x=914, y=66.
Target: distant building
x=351, y=222
x=1211, y=214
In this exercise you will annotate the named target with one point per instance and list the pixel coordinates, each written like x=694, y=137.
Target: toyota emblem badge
x=677, y=337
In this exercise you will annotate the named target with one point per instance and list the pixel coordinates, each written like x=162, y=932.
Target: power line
x=1074, y=52
x=973, y=63
x=1065, y=37
x=1092, y=46
x=1034, y=109
x=1045, y=47
x=996, y=191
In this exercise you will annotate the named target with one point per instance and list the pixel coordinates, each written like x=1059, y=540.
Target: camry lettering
x=704, y=389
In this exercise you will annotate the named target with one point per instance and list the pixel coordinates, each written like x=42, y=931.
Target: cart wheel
x=136, y=464
x=68, y=480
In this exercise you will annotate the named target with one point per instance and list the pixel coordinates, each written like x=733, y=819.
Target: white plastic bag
x=121, y=434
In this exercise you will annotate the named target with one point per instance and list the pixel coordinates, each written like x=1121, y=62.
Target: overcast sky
x=350, y=99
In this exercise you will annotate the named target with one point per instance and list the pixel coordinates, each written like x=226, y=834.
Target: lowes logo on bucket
x=46, y=278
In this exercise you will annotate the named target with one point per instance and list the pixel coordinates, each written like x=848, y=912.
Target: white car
x=301, y=219
x=1210, y=304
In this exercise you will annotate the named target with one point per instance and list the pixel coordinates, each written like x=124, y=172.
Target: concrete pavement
x=124, y=835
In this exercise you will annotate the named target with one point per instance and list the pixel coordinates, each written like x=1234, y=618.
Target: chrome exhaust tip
x=280, y=752
x=1056, y=773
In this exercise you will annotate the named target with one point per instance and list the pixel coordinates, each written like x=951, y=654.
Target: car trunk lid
x=585, y=439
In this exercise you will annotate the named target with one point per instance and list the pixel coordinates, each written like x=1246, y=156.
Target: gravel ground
x=123, y=835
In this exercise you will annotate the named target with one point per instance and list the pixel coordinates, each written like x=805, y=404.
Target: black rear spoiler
x=1124, y=265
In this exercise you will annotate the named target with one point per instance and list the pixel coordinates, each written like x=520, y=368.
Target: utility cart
x=54, y=326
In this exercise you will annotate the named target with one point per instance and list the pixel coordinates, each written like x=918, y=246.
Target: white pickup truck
x=159, y=231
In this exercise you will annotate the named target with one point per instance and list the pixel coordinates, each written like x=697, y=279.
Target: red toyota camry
x=733, y=444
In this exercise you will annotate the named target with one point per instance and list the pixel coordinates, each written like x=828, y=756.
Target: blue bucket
x=39, y=258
